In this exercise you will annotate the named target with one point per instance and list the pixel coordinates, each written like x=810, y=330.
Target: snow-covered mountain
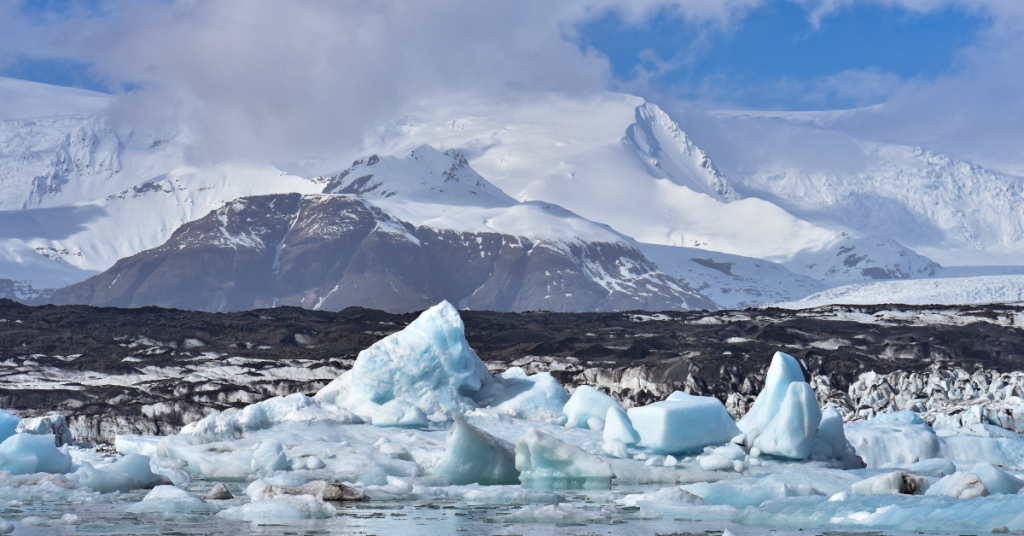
x=79, y=192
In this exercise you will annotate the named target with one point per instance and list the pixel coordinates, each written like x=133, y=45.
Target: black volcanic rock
x=335, y=251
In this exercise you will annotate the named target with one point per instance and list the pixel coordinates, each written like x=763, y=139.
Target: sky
x=261, y=78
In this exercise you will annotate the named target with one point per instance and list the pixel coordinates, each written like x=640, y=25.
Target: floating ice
x=429, y=363
x=683, y=423
x=169, y=499
x=543, y=460
x=28, y=453
x=55, y=425
x=995, y=480
x=8, y=424
x=284, y=509
x=894, y=438
x=959, y=485
x=560, y=514
x=782, y=371
x=890, y=484
x=219, y=492
x=130, y=472
x=296, y=408
x=6, y=527
x=790, y=434
x=615, y=449
x=537, y=397
x=269, y=456
x=716, y=462
x=473, y=456
x=618, y=427
x=587, y=403
x=399, y=413
x=831, y=442
x=752, y=491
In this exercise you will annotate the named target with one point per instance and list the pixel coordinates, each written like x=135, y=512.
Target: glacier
x=475, y=446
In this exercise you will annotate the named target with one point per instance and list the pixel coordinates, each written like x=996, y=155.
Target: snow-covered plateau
x=574, y=203
x=417, y=434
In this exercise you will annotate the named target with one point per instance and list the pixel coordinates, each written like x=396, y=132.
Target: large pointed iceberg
x=429, y=364
x=783, y=371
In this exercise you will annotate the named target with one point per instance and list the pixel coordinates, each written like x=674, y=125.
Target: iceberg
x=959, y=485
x=269, y=456
x=996, y=480
x=29, y=453
x=545, y=461
x=280, y=510
x=168, y=500
x=791, y=433
x=473, y=456
x=232, y=425
x=536, y=397
x=8, y=424
x=429, y=364
x=618, y=427
x=896, y=482
x=130, y=472
x=894, y=438
x=830, y=439
x=683, y=423
x=587, y=403
x=783, y=371
x=55, y=425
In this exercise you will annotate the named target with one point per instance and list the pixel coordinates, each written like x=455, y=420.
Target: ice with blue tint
x=830, y=438
x=791, y=432
x=399, y=413
x=130, y=472
x=784, y=369
x=545, y=460
x=429, y=363
x=473, y=456
x=54, y=424
x=295, y=409
x=618, y=427
x=169, y=500
x=587, y=403
x=894, y=438
x=269, y=456
x=30, y=453
x=537, y=397
x=996, y=480
x=683, y=423
x=8, y=424
x=959, y=485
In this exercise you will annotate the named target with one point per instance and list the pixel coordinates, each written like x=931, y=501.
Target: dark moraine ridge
x=151, y=370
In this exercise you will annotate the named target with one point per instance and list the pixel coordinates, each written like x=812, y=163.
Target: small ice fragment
x=737, y=465
x=6, y=527
x=219, y=492
x=716, y=462
x=617, y=426
x=586, y=402
x=595, y=423
x=473, y=456
x=169, y=499
x=959, y=485
x=269, y=456
x=658, y=459
x=891, y=484
x=542, y=457
x=670, y=461
x=394, y=450
x=400, y=413
x=615, y=449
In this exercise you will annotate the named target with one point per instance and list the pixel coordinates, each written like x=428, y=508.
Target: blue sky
x=775, y=58
x=771, y=57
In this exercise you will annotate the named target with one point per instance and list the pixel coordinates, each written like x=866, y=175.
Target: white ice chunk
x=537, y=397
x=23, y=454
x=683, y=423
x=6, y=527
x=752, y=491
x=283, y=509
x=473, y=456
x=595, y=424
x=294, y=409
x=996, y=480
x=169, y=499
x=269, y=456
x=893, y=438
x=541, y=458
x=716, y=462
x=586, y=403
x=399, y=413
x=54, y=424
x=618, y=427
x=896, y=482
x=615, y=449
x=959, y=485
x=8, y=425
x=561, y=514
x=790, y=434
x=130, y=472
x=831, y=440
x=429, y=363
x=308, y=463
x=782, y=371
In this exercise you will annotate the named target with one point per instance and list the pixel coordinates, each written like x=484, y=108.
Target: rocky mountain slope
x=152, y=370
x=334, y=251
